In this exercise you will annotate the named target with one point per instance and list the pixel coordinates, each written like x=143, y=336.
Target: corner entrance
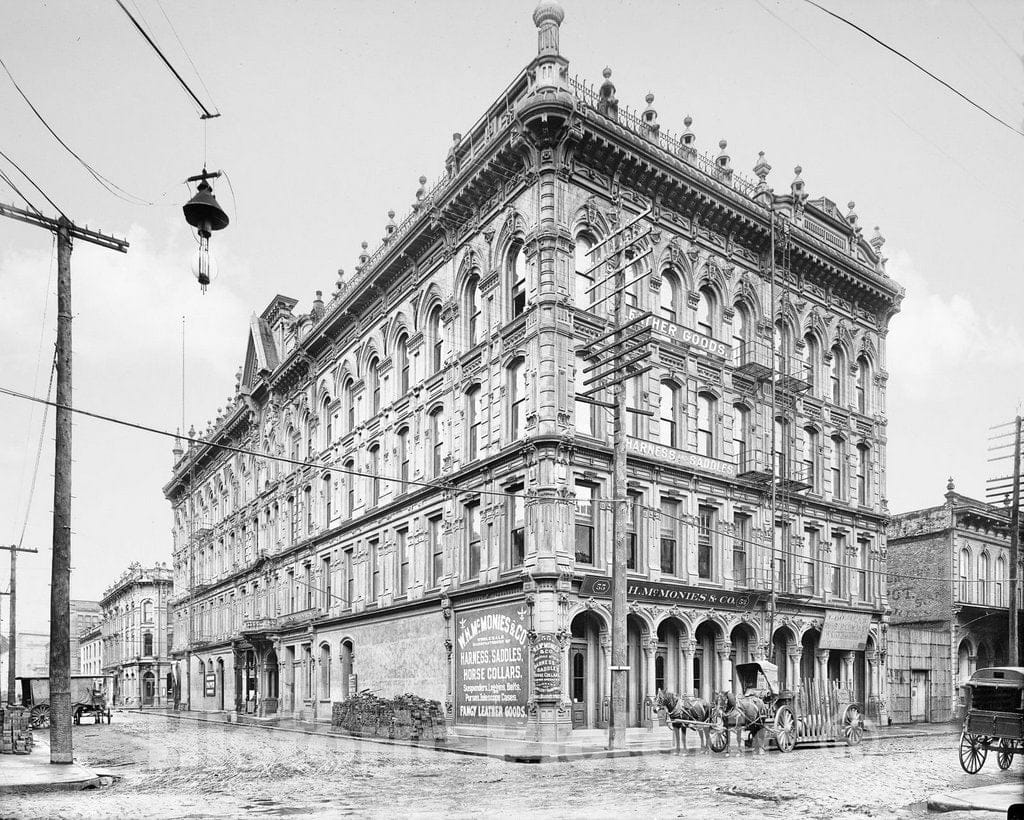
x=586, y=682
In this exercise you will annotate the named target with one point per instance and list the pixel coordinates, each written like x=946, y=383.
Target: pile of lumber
x=404, y=717
x=15, y=731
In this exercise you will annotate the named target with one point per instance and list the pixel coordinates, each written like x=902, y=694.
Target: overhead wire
x=107, y=184
x=916, y=65
x=14, y=187
x=34, y=185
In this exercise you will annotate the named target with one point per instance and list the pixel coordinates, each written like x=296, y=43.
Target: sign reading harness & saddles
x=491, y=672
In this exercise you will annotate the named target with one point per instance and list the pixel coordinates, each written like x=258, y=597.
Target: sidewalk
x=996, y=798
x=34, y=772
x=583, y=745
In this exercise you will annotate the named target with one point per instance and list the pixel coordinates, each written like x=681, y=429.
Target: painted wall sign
x=211, y=684
x=547, y=665
x=666, y=593
x=691, y=339
x=845, y=630
x=681, y=458
x=491, y=672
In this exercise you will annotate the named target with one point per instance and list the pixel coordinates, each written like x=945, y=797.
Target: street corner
x=997, y=798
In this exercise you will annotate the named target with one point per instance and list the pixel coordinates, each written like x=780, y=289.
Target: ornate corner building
x=408, y=492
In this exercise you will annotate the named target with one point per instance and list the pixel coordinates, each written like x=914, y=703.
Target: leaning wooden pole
x=11, y=647
x=60, y=571
x=1014, y=640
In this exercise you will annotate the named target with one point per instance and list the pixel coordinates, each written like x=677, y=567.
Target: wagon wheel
x=853, y=725
x=1005, y=756
x=785, y=729
x=39, y=717
x=972, y=752
x=718, y=736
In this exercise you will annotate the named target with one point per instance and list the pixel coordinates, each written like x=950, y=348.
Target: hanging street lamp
x=204, y=214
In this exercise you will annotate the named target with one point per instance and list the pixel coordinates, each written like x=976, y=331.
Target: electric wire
x=14, y=187
x=109, y=185
x=34, y=185
x=184, y=50
x=994, y=30
x=918, y=66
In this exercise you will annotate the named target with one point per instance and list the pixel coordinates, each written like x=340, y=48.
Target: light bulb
x=204, y=264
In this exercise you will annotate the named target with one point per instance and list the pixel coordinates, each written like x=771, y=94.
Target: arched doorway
x=636, y=678
x=170, y=696
x=670, y=673
x=809, y=654
x=251, y=683
x=586, y=683
x=782, y=641
x=706, y=676
x=148, y=688
x=744, y=640
x=349, y=682
x=271, y=666
x=220, y=684
x=324, y=684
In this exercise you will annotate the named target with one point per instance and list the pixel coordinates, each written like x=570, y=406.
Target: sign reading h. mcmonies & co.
x=491, y=665
x=662, y=593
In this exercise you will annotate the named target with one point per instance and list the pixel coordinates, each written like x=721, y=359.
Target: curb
x=63, y=786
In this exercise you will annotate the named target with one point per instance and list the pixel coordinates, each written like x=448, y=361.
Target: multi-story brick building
x=949, y=592
x=135, y=634
x=85, y=615
x=90, y=652
x=419, y=501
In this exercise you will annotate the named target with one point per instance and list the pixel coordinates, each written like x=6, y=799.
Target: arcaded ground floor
x=173, y=767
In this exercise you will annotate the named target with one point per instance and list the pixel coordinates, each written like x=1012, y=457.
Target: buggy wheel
x=1005, y=756
x=853, y=725
x=972, y=752
x=39, y=717
x=718, y=735
x=785, y=729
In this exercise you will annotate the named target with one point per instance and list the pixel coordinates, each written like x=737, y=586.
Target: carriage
x=817, y=712
x=994, y=720
x=88, y=697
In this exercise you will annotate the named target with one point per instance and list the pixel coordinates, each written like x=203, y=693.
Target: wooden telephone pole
x=60, y=570
x=11, y=651
x=1002, y=487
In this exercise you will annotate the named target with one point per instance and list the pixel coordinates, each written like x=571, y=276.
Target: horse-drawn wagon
x=815, y=712
x=995, y=717
x=88, y=696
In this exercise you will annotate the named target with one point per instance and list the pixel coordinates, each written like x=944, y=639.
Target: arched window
x=585, y=277
x=835, y=375
x=474, y=415
x=838, y=468
x=517, y=279
x=436, y=333
x=472, y=309
x=310, y=429
x=741, y=436
x=147, y=612
x=374, y=474
x=740, y=334
x=783, y=348
x=585, y=421
x=783, y=448
x=325, y=671
x=706, y=311
x=863, y=474
x=328, y=512
x=863, y=385
x=348, y=390
x=436, y=433
x=402, y=361
x=328, y=426
x=706, y=424
x=965, y=575
x=1000, y=575
x=517, y=398
x=350, y=487
x=403, y=456
x=374, y=379
x=147, y=643
x=669, y=415
x=307, y=502
x=670, y=298
x=983, y=578
x=810, y=458
x=810, y=363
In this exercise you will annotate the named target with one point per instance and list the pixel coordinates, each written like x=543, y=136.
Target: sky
x=330, y=112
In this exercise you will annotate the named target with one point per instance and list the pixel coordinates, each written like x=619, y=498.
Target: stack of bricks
x=405, y=717
x=15, y=731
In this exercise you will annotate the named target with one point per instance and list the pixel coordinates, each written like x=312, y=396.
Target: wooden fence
x=819, y=709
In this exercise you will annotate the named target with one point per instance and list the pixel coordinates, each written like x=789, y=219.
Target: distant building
x=948, y=588
x=90, y=651
x=85, y=615
x=135, y=635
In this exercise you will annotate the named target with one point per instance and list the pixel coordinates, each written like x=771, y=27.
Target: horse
x=685, y=712
x=741, y=713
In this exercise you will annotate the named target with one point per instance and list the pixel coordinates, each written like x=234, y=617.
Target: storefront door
x=578, y=684
x=919, y=695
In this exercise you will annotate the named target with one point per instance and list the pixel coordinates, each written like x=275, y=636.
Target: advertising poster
x=845, y=630
x=491, y=673
x=211, y=684
x=547, y=665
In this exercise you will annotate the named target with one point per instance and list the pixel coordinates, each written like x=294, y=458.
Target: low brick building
x=948, y=588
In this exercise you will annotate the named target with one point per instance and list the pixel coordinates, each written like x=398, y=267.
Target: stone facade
x=135, y=634
x=948, y=587
x=85, y=616
x=90, y=652
x=419, y=500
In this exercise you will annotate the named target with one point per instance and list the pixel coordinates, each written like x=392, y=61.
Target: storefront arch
x=743, y=639
x=589, y=659
x=348, y=659
x=809, y=648
x=707, y=675
x=674, y=657
x=784, y=656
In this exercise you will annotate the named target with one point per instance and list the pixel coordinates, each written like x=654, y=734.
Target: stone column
x=722, y=673
x=793, y=654
x=688, y=649
x=650, y=647
x=847, y=659
x=821, y=664
x=606, y=675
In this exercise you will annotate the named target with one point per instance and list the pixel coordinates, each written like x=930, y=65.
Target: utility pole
x=1000, y=488
x=11, y=650
x=619, y=361
x=60, y=569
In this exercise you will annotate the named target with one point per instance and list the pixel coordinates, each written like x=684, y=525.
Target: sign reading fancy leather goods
x=491, y=672
x=845, y=630
x=662, y=593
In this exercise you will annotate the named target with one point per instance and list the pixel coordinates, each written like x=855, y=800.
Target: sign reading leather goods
x=491, y=672
x=663, y=593
x=845, y=630
x=691, y=339
x=682, y=458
